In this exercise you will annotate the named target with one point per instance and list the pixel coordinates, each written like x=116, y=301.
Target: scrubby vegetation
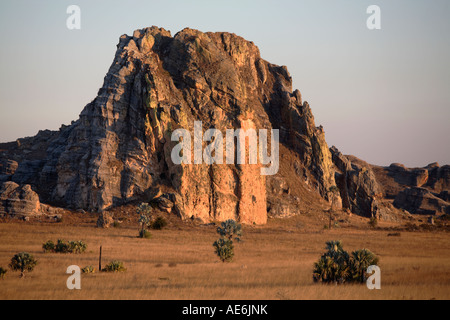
x=144, y=210
x=62, y=246
x=224, y=247
x=337, y=266
x=230, y=229
x=273, y=261
x=23, y=261
x=48, y=246
x=115, y=266
x=159, y=223
x=88, y=269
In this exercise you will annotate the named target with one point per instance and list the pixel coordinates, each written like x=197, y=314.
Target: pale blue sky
x=381, y=95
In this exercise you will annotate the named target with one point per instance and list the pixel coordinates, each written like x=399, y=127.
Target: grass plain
x=274, y=261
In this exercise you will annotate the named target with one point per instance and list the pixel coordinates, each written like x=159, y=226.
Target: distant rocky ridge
x=119, y=149
x=418, y=190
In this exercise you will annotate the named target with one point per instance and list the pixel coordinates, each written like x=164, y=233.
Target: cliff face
x=120, y=147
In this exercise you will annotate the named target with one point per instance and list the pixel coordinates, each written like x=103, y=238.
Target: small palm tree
x=334, y=265
x=224, y=246
x=23, y=261
x=144, y=210
x=323, y=269
x=334, y=247
x=361, y=260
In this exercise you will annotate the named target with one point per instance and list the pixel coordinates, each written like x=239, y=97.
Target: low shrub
x=115, y=266
x=88, y=269
x=77, y=246
x=61, y=246
x=65, y=247
x=49, y=246
x=159, y=223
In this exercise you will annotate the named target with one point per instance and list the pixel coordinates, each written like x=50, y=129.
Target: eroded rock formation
x=119, y=149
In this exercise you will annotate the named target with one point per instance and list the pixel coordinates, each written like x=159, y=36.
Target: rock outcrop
x=421, y=201
x=119, y=150
x=120, y=147
x=18, y=201
x=417, y=190
x=358, y=186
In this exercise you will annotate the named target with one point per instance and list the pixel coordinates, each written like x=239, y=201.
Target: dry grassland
x=273, y=262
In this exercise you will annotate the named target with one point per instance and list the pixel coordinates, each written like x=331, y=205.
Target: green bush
x=23, y=261
x=115, y=266
x=77, y=246
x=65, y=247
x=49, y=246
x=337, y=266
x=61, y=246
x=224, y=249
x=2, y=272
x=88, y=269
x=159, y=223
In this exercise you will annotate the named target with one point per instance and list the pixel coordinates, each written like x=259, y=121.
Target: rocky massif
x=119, y=150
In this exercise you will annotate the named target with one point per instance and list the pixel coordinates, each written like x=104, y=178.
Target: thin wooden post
x=100, y=260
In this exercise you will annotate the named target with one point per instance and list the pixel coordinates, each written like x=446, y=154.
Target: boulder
x=165, y=203
x=18, y=201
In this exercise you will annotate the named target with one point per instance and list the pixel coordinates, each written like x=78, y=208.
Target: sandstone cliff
x=119, y=149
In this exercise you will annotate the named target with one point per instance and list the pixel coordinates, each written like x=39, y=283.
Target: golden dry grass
x=274, y=262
